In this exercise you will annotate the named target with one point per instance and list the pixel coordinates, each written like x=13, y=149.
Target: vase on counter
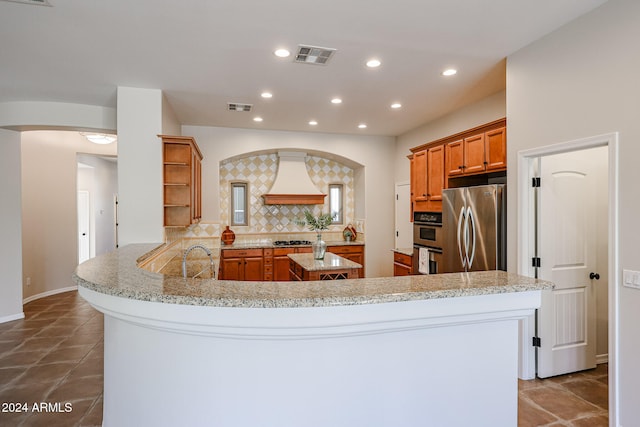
x=319, y=247
x=228, y=236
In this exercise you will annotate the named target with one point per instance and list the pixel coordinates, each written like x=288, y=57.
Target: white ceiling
x=203, y=54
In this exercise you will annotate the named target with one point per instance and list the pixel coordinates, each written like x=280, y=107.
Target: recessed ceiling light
x=313, y=122
x=99, y=138
x=396, y=105
x=336, y=101
x=373, y=63
x=257, y=119
x=362, y=126
x=266, y=95
x=282, y=53
x=449, y=72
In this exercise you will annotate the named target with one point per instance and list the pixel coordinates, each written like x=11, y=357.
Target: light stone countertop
x=117, y=273
x=330, y=262
x=405, y=251
x=268, y=243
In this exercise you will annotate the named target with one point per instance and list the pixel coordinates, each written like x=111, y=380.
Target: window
x=335, y=203
x=239, y=214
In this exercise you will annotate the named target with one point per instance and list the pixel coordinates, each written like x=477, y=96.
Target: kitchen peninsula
x=410, y=351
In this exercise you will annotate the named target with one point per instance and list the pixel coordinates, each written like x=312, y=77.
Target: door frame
x=525, y=243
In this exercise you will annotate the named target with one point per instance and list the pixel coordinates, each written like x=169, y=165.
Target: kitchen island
x=331, y=267
x=411, y=351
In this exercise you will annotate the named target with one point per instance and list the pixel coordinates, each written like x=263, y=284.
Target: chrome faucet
x=184, y=260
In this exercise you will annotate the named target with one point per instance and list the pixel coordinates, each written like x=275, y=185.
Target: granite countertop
x=268, y=243
x=405, y=251
x=117, y=273
x=330, y=262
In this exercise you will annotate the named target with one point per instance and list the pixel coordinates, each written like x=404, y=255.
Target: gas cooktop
x=291, y=242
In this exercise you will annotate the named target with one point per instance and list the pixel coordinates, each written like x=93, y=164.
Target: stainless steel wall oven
x=427, y=233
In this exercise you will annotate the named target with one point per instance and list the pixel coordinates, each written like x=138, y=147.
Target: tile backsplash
x=259, y=171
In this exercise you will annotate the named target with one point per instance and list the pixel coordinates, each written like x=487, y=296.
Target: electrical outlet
x=631, y=279
x=28, y=281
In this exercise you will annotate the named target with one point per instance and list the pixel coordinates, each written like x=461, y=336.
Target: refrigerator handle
x=472, y=231
x=461, y=218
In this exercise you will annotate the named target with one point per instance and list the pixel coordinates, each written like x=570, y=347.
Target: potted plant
x=317, y=224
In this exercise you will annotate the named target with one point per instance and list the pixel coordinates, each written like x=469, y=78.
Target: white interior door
x=84, y=222
x=404, y=227
x=567, y=248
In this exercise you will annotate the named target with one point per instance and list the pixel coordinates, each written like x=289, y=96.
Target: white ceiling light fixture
x=266, y=95
x=257, y=119
x=450, y=72
x=373, y=63
x=313, y=122
x=336, y=101
x=281, y=53
x=99, y=138
x=362, y=126
x=396, y=105
x=314, y=55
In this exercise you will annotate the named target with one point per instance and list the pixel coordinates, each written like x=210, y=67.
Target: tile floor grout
x=55, y=355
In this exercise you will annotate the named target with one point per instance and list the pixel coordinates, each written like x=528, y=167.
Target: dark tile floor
x=52, y=362
x=55, y=357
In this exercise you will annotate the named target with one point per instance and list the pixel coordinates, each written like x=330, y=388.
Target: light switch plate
x=631, y=279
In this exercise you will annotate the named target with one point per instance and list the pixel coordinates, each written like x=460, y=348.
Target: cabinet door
x=455, y=158
x=474, y=154
x=420, y=175
x=496, y=149
x=253, y=268
x=231, y=268
x=401, y=270
x=435, y=173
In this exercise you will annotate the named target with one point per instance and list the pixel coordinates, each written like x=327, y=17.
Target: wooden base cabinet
x=402, y=264
x=353, y=253
x=241, y=264
x=182, y=178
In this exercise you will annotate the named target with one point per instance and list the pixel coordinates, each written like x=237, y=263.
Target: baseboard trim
x=12, y=317
x=49, y=293
x=602, y=358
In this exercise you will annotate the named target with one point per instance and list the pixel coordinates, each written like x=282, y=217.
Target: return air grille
x=314, y=55
x=235, y=106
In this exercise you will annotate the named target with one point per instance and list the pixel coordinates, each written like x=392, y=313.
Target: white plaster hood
x=292, y=185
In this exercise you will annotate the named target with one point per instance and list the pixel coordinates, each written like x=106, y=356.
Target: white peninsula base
x=434, y=362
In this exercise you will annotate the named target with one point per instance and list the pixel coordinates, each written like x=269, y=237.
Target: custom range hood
x=293, y=186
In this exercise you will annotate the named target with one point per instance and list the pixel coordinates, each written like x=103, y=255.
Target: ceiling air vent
x=34, y=2
x=236, y=106
x=313, y=55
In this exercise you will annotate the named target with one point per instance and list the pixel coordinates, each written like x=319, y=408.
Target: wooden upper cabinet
x=474, y=154
x=181, y=180
x=479, y=153
x=455, y=158
x=435, y=173
x=496, y=149
x=420, y=175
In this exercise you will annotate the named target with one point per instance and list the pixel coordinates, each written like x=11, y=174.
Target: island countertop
x=117, y=274
x=329, y=262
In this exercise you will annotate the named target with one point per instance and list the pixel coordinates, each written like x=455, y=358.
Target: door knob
x=594, y=276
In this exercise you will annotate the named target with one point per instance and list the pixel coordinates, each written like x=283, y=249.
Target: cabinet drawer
x=283, y=251
x=232, y=253
x=268, y=252
x=402, y=258
x=345, y=249
x=268, y=268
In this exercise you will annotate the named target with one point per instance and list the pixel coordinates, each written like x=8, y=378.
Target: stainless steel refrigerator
x=474, y=228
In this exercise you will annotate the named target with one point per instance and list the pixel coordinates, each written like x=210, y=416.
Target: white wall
x=375, y=203
x=49, y=207
x=484, y=111
x=10, y=230
x=140, y=212
x=580, y=81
